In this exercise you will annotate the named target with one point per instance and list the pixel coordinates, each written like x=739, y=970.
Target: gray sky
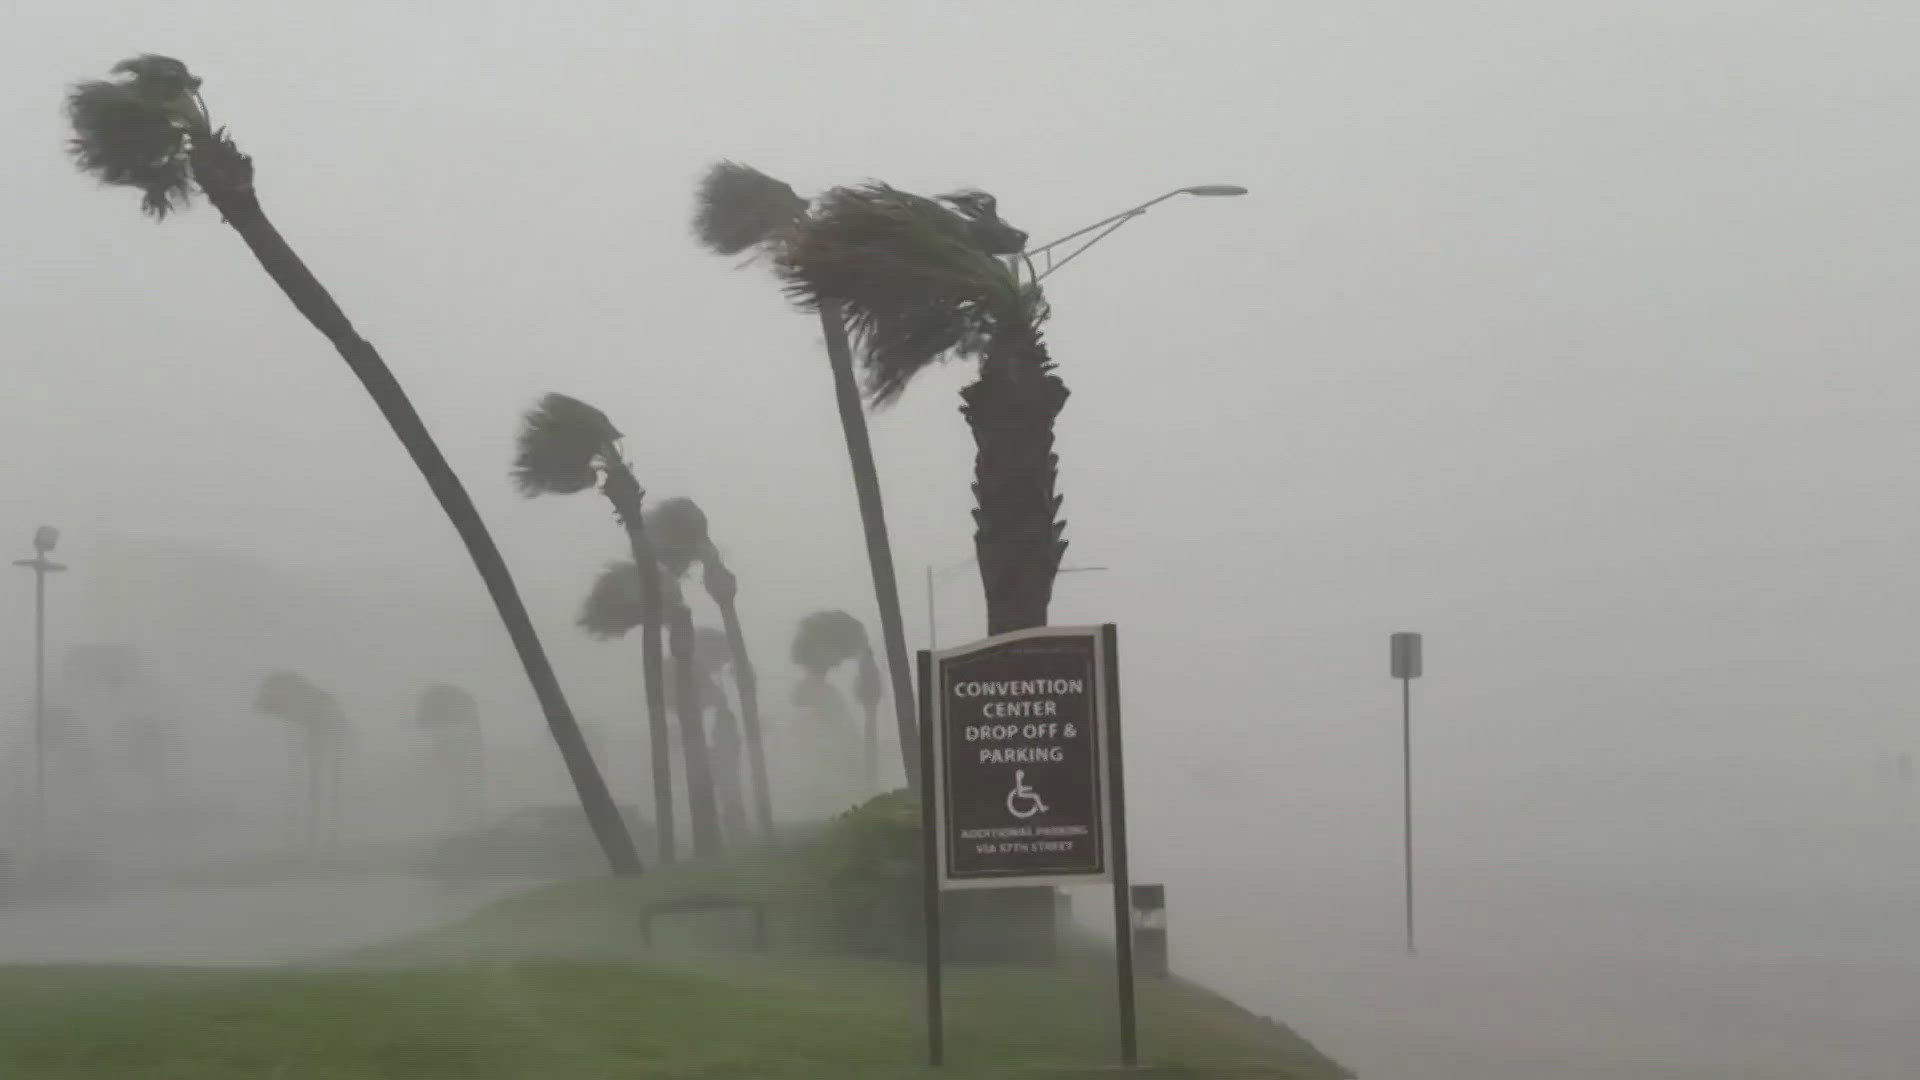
x=1576, y=336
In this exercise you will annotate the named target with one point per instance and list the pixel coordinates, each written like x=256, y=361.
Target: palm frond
x=444, y=707
x=912, y=279
x=616, y=603
x=678, y=528
x=738, y=207
x=826, y=639
x=291, y=696
x=128, y=134
x=561, y=446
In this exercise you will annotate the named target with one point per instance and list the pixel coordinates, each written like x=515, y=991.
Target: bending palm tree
x=317, y=719
x=741, y=208
x=917, y=281
x=680, y=528
x=149, y=130
x=823, y=641
x=568, y=446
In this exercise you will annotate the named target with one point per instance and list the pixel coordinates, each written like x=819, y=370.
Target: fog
x=1575, y=337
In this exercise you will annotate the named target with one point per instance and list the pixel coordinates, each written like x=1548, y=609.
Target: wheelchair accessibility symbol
x=1022, y=801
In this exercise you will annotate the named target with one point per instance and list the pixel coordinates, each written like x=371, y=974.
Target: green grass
x=555, y=985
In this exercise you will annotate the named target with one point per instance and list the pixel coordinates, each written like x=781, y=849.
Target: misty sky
x=1576, y=336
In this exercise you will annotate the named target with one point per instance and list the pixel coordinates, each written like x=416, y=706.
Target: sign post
x=1405, y=665
x=1022, y=782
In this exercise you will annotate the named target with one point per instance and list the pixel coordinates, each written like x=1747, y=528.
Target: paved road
x=233, y=925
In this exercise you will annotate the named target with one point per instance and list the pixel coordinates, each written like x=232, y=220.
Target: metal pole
x=1406, y=787
x=933, y=635
x=1122, y=886
x=930, y=868
x=40, y=705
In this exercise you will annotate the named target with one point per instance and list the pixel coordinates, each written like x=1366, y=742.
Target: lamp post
x=1405, y=664
x=942, y=572
x=44, y=539
x=1105, y=226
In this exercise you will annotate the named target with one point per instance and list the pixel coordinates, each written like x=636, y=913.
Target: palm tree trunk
x=226, y=176
x=724, y=588
x=701, y=806
x=873, y=521
x=624, y=492
x=1016, y=528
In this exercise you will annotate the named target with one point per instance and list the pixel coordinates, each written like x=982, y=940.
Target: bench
x=701, y=904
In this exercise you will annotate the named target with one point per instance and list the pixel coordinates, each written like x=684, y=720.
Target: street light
x=1107, y=225
x=945, y=572
x=44, y=539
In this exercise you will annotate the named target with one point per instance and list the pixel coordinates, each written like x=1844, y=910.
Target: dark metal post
x=1406, y=789
x=40, y=705
x=1405, y=663
x=44, y=540
x=930, y=867
x=1122, y=906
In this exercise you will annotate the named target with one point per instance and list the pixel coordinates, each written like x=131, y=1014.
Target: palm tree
x=916, y=280
x=823, y=641
x=451, y=718
x=681, y=537
x=149, y=129
x=702, y=805
x=568, y=446
x=740, y=208
x=320, y=728
x=711, y=654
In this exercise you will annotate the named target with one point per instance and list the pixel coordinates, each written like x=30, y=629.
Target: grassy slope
x=555, y=985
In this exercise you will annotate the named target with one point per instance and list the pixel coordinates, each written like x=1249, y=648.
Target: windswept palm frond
x=562, y=445
x=615, y=604
x=445, y=707
x=739, y=207
x=137, y=131
x=826, y=639
x=291, y=696
x=678, y=528
x=912, y=281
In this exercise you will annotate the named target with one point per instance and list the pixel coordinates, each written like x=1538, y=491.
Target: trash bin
x=1148, y=908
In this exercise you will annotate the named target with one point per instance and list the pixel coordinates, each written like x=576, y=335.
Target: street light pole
x=44, y=539
x=1105, y=226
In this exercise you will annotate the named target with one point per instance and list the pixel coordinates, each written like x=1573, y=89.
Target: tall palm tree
x=149, y=129
x=823, y=641
x=917, y=280
x=739, y=208
x=681, y=538
x=451, y=718
x=319, y=726
x=568, y=446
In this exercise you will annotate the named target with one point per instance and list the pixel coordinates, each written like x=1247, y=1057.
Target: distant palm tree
x=613, y=608
x=917, y=280
x=823, y=641
x=451, y=718
x=149, y=129
x=739, y=208
x=681, y=538
x=711, y=655
x=320, y=727
x=568, y=446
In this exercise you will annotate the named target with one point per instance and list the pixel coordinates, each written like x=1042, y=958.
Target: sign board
x=1020, y=736
x=1406, y=656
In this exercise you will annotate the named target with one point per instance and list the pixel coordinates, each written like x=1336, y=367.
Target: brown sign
x=1021, y=745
